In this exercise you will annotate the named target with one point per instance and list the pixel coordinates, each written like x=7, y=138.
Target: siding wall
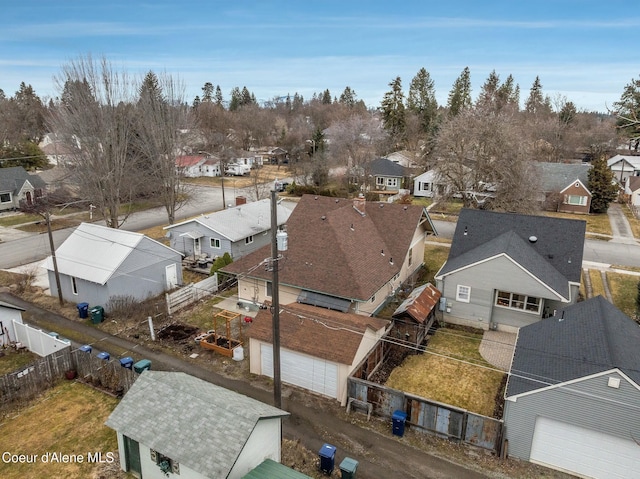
x=484, y=279
x=589, y=403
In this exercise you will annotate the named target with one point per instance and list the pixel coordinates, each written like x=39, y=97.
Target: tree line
x=122, y=134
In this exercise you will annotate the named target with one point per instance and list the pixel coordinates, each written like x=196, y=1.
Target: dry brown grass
x=68, y=419
x=597, y=287
x=13, y=360
x=452, y=372
x=596, y=223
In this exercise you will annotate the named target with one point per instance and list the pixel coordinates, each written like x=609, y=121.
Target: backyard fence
x=424, y=415
x=31, y=380
x=191, y=293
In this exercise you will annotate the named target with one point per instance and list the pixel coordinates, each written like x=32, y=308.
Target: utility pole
x=275, y=303
x=56, y=273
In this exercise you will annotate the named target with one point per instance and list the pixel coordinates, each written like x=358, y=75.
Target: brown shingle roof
x=333, y=249
x=318, y=332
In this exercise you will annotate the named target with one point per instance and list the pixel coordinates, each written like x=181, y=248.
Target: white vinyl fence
x=37, y=341
x=191, y=293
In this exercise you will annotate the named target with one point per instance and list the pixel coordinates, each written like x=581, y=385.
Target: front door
x=132, y=455
x=196, y=247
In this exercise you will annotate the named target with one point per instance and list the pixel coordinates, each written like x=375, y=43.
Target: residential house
x=248, y=158
x=173, y=424
x=564, y=186
x=429, y=185
x=98, y=265
x=237, y=231
x=56, y=151
x=403, y=158
x=573, y=392
x=18, y=187
x=210, y=167
x=416, y=315
x=632, y=189
x=320, y=348
x=508, y=270
x=9, y=314
x=190, y=166
x=348, y=255
x=388, y=177
x=270, y=469
x=624, y=166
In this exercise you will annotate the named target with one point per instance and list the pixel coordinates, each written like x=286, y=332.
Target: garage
x=310, y=373
x=584, y=451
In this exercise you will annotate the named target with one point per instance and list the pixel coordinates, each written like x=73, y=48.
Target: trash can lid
x=348, y=465
x=327, y=450
x=83, y=305
x=399, y=415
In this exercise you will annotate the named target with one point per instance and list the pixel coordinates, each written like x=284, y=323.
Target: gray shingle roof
x=555, y=257
x=583, y=339
x=557, y=176
x=12, y=179
x=196, y=423
x=385, y=167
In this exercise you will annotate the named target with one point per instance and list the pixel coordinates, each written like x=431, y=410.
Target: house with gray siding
x=16, y=186
x=170, y=424
x=99, y=265
x=508, y=270
x=238, y=231
x=573, y=393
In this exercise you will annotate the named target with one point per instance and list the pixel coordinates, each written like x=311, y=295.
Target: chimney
x=241, y=200
x=359, y=204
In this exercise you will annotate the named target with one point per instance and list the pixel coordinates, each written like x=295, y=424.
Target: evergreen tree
x=393, y=110
x=236, y=99
x=537, y=103
x=207, y=92
x=460, y=94
x=628, y=112
x=326, y=97
x=348, y=97
x=601, y=184
x=196, y=102
x=218, y=96
x=150, y=89
x=568, y=113
x=422, y=100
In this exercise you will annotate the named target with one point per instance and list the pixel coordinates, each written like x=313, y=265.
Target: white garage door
x=584, y=451
x=309, y=373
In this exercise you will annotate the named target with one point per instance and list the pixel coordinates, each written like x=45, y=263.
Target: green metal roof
x=270, y=469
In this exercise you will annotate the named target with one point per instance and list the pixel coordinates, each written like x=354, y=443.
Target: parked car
x=280, y=185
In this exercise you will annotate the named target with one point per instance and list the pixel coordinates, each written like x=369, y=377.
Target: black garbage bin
x=398, y=418
x=83, y=310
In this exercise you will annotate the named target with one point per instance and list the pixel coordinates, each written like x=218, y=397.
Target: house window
x=577, y=200
x=518, y=301
x=463, y=293
x=379, y=181
x=215, y=243
x=269, y=289
x=410, y=256
x=248, y=240
x=74, y=286
x=5, y=198
x=166, y=464
x=392, y=182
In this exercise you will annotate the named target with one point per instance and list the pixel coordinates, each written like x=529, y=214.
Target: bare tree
x=96, y=119
x=161, y=117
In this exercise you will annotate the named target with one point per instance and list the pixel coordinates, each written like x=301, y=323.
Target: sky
x=583, y=51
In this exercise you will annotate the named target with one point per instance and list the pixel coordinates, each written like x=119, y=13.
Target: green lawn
x=13, y=360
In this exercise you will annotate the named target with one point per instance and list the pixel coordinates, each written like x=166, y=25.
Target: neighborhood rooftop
x=167, y=410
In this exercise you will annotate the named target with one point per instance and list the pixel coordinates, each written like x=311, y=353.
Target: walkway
x=497, y=348
x=620, y=227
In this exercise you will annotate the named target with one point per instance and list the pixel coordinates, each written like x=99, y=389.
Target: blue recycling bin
x=83, y=310
x=327, y=455
x=127, y=362
x=398, y=419
x=85, y=349
x=104, y=355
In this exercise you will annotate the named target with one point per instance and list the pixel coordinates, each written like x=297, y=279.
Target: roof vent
x=465, y=231
x=323, y=217
x=382, y=252
x=533, y=239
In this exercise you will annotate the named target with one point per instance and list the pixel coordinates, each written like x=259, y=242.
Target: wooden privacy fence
x=427, y=416
x=31, y=380
x=191, y=293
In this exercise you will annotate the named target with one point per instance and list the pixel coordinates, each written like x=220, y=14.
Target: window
x=379, y=180
x=248, y=240
x=74, y=286
x=577, y=200
x=269, y=289
x=215, y=243
x=463, y=294
x=392, y=182
x=410, y=256
x=5, y=198
x=518, y=301
x=166, y=464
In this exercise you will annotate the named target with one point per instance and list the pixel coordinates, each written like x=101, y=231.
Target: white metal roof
x=241, y=221
x=94, y=252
